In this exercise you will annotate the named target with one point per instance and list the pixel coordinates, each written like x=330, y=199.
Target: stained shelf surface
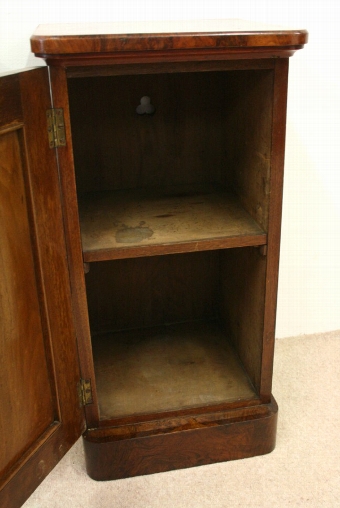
x=167, y=368
x=136, y=223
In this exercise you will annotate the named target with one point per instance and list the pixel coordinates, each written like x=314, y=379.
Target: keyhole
x=145, y=106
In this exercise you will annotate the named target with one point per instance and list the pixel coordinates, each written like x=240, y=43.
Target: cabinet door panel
x=24, y=369
x=40, y=415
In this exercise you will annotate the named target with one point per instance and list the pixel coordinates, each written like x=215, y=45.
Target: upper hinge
x=85, y=392
x=56, y=127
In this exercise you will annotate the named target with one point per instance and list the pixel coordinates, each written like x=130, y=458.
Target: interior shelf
x=132, y=223
x=167, y=368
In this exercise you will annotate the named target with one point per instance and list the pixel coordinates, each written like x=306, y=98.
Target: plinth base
x=180, y=442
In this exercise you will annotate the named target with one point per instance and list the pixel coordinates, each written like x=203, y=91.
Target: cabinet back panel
x=207, y=128
x=115, y=148
x=151, y=291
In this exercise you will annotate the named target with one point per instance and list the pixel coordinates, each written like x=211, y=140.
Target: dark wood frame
x=147, y=443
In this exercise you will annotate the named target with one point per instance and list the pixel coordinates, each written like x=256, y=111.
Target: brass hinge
x=56, y=127
x=85, y=392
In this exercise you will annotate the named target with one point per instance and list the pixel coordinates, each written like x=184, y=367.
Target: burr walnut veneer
x=140, y=206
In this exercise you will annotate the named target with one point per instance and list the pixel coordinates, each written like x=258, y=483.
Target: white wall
x=309, y=289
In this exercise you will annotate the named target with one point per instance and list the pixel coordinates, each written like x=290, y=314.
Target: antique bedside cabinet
x=140, y=205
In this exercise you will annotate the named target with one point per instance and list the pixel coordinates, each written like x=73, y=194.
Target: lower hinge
x=85, y=392
x=56, y=127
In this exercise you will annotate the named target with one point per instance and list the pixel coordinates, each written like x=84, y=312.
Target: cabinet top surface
x=78, y=38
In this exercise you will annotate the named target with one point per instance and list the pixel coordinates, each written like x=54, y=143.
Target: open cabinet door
x=41, y=415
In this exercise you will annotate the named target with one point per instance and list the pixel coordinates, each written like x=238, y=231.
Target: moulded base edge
x=109, y=458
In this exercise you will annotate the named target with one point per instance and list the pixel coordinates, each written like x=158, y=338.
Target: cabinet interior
x=173, y=206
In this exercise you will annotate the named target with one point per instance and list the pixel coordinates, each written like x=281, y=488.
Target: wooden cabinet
x=141, y=217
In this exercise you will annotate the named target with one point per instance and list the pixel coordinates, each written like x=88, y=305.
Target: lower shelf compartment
x=232, y=435
x=167, y=368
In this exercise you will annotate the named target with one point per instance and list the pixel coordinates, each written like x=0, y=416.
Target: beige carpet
x=303, y=470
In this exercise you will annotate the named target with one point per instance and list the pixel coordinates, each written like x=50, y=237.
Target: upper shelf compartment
x=193, y=174
x=135, y=223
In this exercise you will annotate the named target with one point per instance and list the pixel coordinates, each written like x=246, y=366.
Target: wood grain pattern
x=242, y=283
x=112, y=458
x=51, y=248
x=167, y=368
x=98, y=60
x=192, y=138
x=143, y=36
x=168, y=67
x=146, y=292
x=182, y=143
x=10, y=106
x=28, y=406
x=220, y=96
x=114, y=223
x=218, y=127
x=151, y=291
x=248, y=135
x=174, y=421
x=41, y=417
x=274, y=226
x=73, y=241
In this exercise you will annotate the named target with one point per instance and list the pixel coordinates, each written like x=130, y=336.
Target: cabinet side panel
x=27, y=402
x=243, y=277
x=249, y=124
x=274, y=225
